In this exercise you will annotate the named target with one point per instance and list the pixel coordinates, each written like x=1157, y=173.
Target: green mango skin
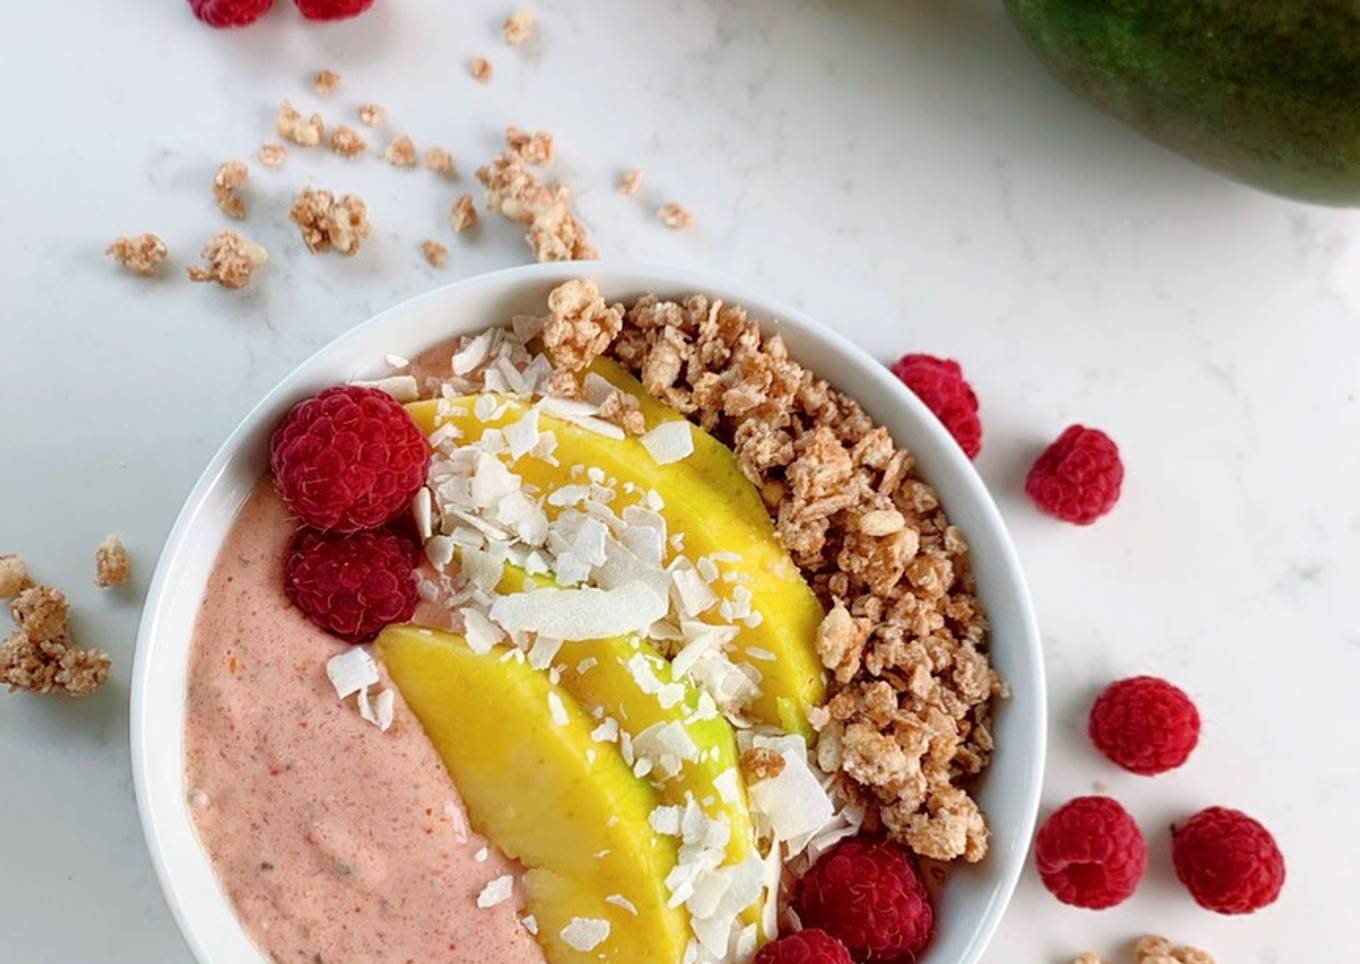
x=1266, y=91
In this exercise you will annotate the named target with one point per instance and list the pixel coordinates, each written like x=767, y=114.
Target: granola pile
x=1156, y=950
x=40, y=655
x=905, y=638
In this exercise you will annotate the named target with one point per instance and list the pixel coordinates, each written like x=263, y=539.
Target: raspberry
x=352, y=584
x=866, y=893
x=230, y=13
x=1078, y=477
x=939, y=382
x=332, y=9
x=348, y=459
x=1090, y=853
x=1228, y=861
x=811, y=946
x=1144, y=724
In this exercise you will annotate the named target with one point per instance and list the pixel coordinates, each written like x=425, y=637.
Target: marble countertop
x=904, y=171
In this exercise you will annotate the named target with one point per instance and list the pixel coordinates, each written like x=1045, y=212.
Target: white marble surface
x=904, y=171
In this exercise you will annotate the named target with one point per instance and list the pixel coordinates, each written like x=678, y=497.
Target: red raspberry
x=352, y=584
x=230, y=13
x=866, y=893
x=1228, y=861
x=811, y=946
x=1078, y=476
x=939, y=382
x=332, y=9
x=1090, y=853
x=1144, y=724
x=348, y=459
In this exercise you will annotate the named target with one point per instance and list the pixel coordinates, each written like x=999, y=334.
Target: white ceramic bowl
x=975, y=896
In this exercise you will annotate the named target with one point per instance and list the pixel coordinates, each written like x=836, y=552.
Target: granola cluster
x=39, y=654
x=347, y=142
x=140, y=254
x=401, y=152
x=227, y=182
x=1156, y=950
x=292, y=126
x=516, y=192
x=904, y=639
x=329, y=223
x=231, y=260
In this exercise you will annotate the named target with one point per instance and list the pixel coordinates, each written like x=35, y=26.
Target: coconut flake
x=352, y=671
x=793, y=804
x=529, y=923
x=542, y=652
x=496, y=892
x=585, y=933
x=422, y=510
x=618, y=900
x=481, y=633
x=692, y=594
x=584, y=613
x=522, y=435
x=556, y=710
x=669, y=442
x=403, y=388
x=472, y=354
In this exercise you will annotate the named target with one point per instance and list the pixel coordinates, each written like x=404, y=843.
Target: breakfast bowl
x=974, y=896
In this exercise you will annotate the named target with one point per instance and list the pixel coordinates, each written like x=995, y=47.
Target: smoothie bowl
x=588, y=613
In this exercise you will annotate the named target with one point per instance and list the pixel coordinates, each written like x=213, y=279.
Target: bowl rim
x=142, y=727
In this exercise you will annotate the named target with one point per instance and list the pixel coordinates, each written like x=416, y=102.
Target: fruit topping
x=352, y=584
x=1090, y=853
x=939, y=383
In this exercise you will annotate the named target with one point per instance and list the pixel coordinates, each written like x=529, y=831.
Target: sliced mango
x=570, y=809
x=710, y=504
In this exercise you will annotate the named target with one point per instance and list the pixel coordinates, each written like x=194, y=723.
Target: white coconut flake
x=471, y=355
x=522, y=435
x=585, y=933
x=606, y=732
x=396, y=362
x=491, y=481
x=542, y=652
x=352, y=671
x=793, y=804
x=481, y=855
x=439, y=551
x=728, y=785
x=618, y=900
x=496, y=892
x=422, y=510
x=530, y=923
x=403, y=388
x=666, y=820
x=575, y=614
x=556, y=710
x=669, y=442
x=481, y=633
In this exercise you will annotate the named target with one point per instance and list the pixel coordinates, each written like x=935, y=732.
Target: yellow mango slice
x=534, y=782
x=710, y=504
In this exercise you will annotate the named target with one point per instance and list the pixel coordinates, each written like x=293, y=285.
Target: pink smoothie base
x=334, y=841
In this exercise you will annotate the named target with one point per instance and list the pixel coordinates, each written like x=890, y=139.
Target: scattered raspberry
x=866, y=893
x=811, y=946
x=939, y=382
x=1144, y=724
x=1090, y=853
x=1228, y=861
x=352, y=584
x=332, y=9
x=230, y=13
x=347, y=459
x=1078, y=477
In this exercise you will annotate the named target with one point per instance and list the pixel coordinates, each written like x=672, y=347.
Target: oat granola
x=140, y=254
x=675, y=216
x=1155, y=950
x=327, y=223
x=51, y=665
x=516, y=192
x=535, y=147
x=439, y=160
x=347, y=142
x=579, y=326
x=232, y=260
x=463, y=214
x=435, y=253
x=904, y=637
x=292, y=126
x=629, y=181
x=401, y=152
x=372, y=114
x=272, y=154
x=326, y=83
x=40, y=613
x=518, y=27
x=480, y=69
x=13, y=576
x=111, y=563
x=228, y=180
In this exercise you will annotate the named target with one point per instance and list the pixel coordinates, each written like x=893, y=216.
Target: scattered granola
x=327, y=82
x=292, y=126
x=347, y=142
x=401, y=152
x=463, y=214
x=675, y=216
x=111, y=564
x=579, y=326
x=140, y=254
x=40, y=613
x=328, y=223
x=534, y=147
x=904, y=637
x=435, y=253
x=630, y=181
x=372, y=114
x=226, y=182
x=518, y=27
x=272, y=154
x=232, y=260
x=516, y=192
x=13, y=576
x=761, y=764
x=439, y=160
x=1155, y=950
x=51, y=665
x=480, y=69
